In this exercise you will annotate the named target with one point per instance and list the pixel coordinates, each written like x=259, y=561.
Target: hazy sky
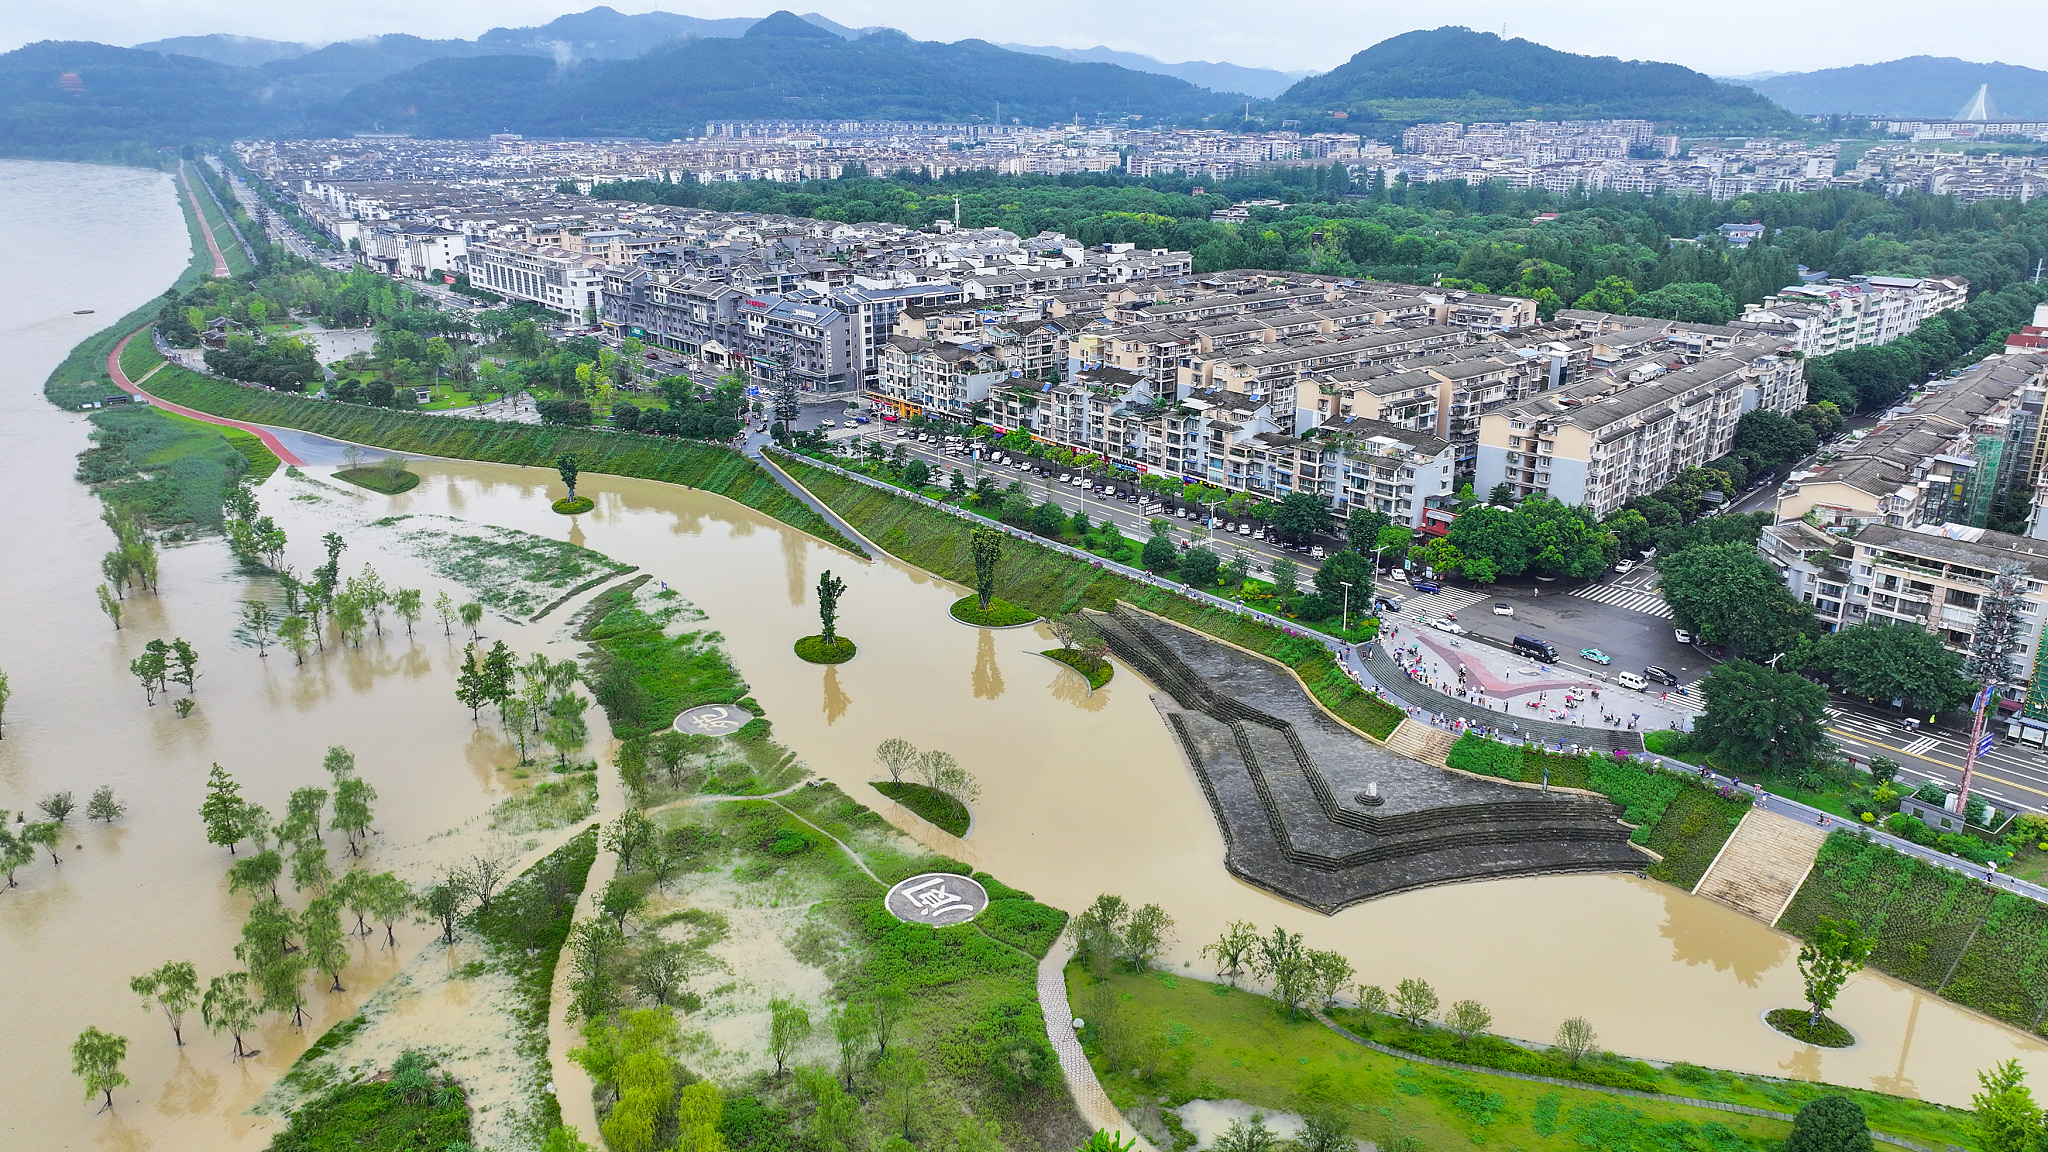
x=1730, y=37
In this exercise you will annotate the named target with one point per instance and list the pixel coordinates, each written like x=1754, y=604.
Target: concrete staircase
x=1762, y=865
x=1419, y=741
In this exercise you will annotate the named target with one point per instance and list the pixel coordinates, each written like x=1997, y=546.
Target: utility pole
x=1990, y=663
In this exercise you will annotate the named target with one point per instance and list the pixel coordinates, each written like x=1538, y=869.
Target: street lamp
x=1346, y=625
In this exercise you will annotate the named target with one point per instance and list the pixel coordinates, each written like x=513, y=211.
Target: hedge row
x=1050, y=582
x=1677, y=818
x=1935, y=927
x=692, y=463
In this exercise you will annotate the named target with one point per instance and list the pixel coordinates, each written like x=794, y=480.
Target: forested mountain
x=76, y=98
x=783, y=66
x=1217, y=76
x=1930, y=86
x=1461, y=74
x=222, y=48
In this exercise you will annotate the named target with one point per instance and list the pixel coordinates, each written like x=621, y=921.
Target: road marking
x=1921, y=746
x=1648, y=603
x=1979, y=775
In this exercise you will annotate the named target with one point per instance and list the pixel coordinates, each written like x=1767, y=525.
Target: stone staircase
x=1762, y=865
x=1419, y=741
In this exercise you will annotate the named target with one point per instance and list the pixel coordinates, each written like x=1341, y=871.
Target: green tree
x=407, y=603
x=903, y=1077
x=222, y=809
x=172, y=987
x=1301, y=515
x=1147, y=934
x=566, y=464
x=294, y=633
x=1343, y=568
x=1757, y=716
x=1415, y=1001
x=110, y=605
x=1729, y=594
x=789, y=1025
x=1609, y=294
x=1198, y=567
x=1363, y=527
x=103, y=806
x=1892, y=662
x=851, y=1026
x=1830, y=1124
x=1773, y=439
x=1286, y=573
x=830, y=588
x=1834, y=951
x=1159, y=554
x=96, y=1059
x=227, y=1007
x=1694, y=303
x=1576, y=1039
x=2008, y=1120
x=1468, y=1018
x=326, y=940
x=985, y=544
x=835, y=1114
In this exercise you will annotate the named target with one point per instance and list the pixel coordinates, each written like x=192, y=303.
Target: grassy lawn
x=1095, y=668
x=1209, y=1041
x=140, y=356
x=167, y=469
x=378, y=479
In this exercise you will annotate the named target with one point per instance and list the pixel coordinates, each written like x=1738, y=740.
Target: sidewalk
x=1510, y=682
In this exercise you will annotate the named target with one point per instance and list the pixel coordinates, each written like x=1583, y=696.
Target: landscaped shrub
x=1494, y=1052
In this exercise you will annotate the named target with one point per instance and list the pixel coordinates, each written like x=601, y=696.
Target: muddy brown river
x=1082, y=793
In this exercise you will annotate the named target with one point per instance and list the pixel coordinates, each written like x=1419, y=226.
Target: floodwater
x=1081, y=793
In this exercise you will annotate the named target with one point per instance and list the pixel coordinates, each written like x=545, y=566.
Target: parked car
x=1596, y=656
x=1503, y=609
x=828, y=424
x=1661, y=675
x=1681, y=635
x=1397, y=576
x=1387, y=603
x=1624, y=567
x=1428, y=586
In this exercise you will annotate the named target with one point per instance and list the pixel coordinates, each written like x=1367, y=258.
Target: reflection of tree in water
x=836, y=700
x=488, y=750
x=1803, y=1064
x=1072, y=687
x=188, y=1090
x=1898, y=1083
x=1699, y=933
x=988, y=678
x=793, y=552
x=576, y=536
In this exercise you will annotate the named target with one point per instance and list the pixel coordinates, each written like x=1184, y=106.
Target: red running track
x=122, y=382
x=220, y=262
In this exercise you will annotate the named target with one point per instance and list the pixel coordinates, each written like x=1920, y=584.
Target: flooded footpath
x=1082, y=793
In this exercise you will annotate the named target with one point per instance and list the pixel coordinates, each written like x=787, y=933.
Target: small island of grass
x=571, y=505
x=1798, y=1024
x=1001, y=613
x=1095, y=668
x=943, y=811
x=819, y=650
x=389, y=481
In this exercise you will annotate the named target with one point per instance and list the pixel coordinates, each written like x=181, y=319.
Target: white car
x=1681, y=635
x=1625, y=567
x=828, y=424
x=1397, y=576
x=1066, y=478
x=1503, y=609
x=1443, y=625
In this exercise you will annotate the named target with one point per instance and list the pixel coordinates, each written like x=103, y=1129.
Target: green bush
x=1494, y=1052
x=1095, y=668
x=942, y=810
x=1001, y=613
x=815, y=650
x=1025, y=924
x=382, y=1116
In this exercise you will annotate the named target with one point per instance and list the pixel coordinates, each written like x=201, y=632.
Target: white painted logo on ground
x=712, y=720
x=937, y=898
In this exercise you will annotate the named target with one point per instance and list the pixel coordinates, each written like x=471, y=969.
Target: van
x=1536, y=647
x=1632, y=680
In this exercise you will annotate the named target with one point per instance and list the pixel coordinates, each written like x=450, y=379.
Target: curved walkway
x=220, y=262
x=1663, y=1097
x=1090, y=1100
x=122, y=382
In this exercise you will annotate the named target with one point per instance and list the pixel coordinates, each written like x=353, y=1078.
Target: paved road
x=2013, y=776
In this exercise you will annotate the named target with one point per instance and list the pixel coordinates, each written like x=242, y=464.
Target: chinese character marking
x=934, y=899
x=714, y=720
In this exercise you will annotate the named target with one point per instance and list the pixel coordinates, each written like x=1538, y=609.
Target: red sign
x=448, y=279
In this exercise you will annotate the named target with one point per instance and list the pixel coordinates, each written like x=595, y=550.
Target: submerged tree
x=96, y=1059
x=986, y=546
x=173, y=987
x=1834, y=952
x=227, y=1007
x=830, y=588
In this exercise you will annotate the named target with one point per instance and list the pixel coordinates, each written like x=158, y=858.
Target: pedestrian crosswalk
x=1921, y=746
x=1423, y=605
x=1633, y=599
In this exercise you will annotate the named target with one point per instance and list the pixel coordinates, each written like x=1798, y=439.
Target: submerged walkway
x=122, y=382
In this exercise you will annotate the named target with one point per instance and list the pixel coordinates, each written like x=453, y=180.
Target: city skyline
x=1303, y=35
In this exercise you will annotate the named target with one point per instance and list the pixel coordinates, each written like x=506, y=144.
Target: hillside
x=1217, y=76
x=782, y=66
x=1930, y=86
x=221, y=48
x=1457, y=73
x=75, y=98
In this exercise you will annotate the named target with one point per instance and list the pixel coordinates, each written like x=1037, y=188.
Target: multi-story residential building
x=1931, y=577
x=413, y=250
x=1372, y=465
x=798, y=339
x=1837, y=315
x=1612, y=437
x=1943, y=459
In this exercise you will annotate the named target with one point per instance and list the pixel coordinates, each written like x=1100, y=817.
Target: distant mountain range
x=662, y=75
x=1258, y=83
x=1456, y=73
x=1919, y=86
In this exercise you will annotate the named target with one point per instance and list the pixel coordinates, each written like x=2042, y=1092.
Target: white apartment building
x=1607, y=440
x=558, y=280
x=1837, y=315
